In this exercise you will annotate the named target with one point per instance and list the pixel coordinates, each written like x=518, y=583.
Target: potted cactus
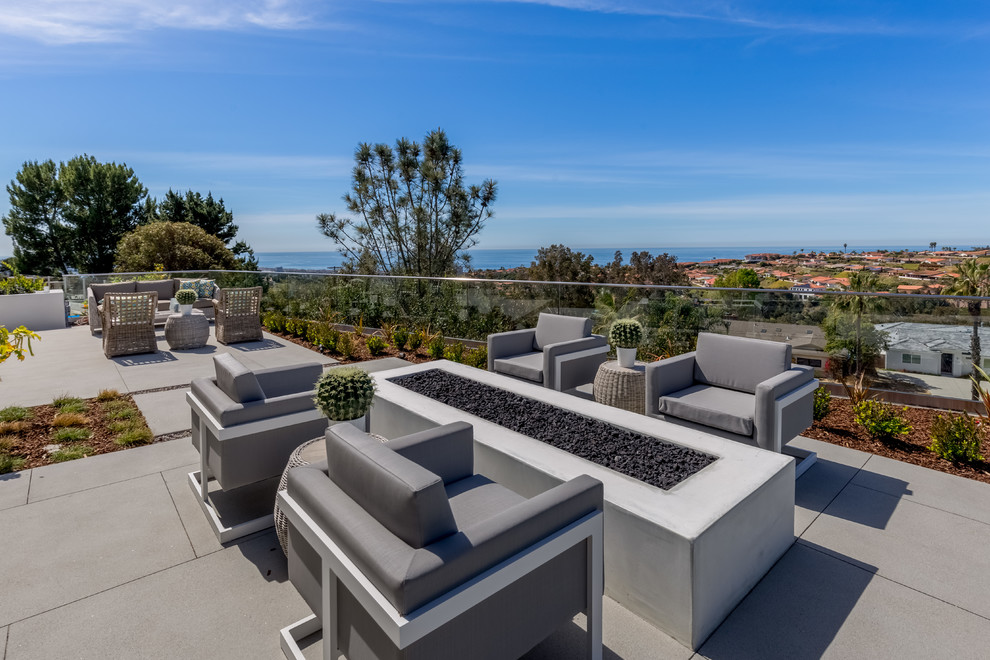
x=625, y=335
x=344, y=394
x=185, y=298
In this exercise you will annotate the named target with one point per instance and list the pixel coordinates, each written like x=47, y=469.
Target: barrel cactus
x=185, y=296
x=344, y=393
x=625, y=333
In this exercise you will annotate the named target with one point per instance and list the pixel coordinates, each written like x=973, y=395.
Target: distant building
x=807, y=341
x=924, y=348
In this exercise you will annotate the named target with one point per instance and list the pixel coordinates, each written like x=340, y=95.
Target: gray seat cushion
x=406, y=498
x=721, y=408
x=478, y=498
x=739, y=363
x=164, y=288
x=235, y=380
x=528, y=366
x=554, y=328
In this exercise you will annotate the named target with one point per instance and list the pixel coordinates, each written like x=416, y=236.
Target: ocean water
x=511, y=257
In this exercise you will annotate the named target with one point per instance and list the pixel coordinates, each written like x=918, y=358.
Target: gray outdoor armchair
x=419, y=557
x=245, y=424
x=746, y=387
x=559, y=352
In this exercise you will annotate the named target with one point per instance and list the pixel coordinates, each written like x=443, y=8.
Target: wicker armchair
x=238, y=315
x=129, y=323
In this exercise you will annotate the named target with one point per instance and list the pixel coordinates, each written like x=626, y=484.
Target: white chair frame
x=405, y=630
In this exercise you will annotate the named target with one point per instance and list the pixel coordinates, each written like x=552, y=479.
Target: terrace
x=110, y=556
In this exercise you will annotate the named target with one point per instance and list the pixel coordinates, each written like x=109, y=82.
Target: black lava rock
x=652, y=460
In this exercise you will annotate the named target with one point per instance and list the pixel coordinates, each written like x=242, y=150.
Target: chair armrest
x=553, y=351
x=767, y=394
x=227, y=412
x=292, y=379
x=447, y=451
x=505, y=344
x=666, y=376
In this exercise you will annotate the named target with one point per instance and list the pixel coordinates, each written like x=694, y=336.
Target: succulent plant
x=185, y=296
x=626, y=333
x=344, y=393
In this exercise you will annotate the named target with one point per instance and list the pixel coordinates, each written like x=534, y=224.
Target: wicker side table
x=620, y=387
x=311, y=451
x=187, y=330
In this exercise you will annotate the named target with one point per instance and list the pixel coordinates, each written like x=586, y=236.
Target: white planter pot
x=627, y=357
x=185, y=310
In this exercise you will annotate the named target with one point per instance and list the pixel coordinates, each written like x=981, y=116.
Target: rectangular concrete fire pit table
x=680, y=558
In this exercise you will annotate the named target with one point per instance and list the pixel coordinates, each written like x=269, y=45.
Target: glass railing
x=918, y=336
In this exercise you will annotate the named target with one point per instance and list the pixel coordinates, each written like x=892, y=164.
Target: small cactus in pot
x=185, y=298
x=344, y=393
x=625, y=335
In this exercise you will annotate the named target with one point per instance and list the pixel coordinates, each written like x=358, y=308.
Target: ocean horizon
x=495, y=258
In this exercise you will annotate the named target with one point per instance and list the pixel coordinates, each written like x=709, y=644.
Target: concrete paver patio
x=111, y=557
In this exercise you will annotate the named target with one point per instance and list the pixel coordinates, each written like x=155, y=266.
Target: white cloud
x=92, y=21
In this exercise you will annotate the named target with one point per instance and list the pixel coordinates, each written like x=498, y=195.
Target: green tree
x=742, y=278
x=559, y=263
x=103, y=202
x=209, y=214
x=846, y=335
x=172, y=246
x=973, y=280
x=860, y=282
x=42, y=243
x=71, y=215
x=662, y=269
x=415, y=215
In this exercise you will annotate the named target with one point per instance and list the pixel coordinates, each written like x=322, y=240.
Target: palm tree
x=973, y=280
x=863, y=282
x=932, y=245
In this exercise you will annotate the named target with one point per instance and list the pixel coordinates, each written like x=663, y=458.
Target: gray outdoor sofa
x=746, y=388
x=419, y=557
x=165, y=289
x=245, y=424
x=560, y=352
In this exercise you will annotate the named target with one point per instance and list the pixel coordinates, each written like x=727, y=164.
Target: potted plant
x=185, y=298
x=344, y=394
x=625, y=335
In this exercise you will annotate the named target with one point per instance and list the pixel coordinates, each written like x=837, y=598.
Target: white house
x=933, y=349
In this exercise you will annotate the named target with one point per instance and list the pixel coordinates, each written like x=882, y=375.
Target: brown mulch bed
x=361, y=352
x=839, y=428
x=30, y=443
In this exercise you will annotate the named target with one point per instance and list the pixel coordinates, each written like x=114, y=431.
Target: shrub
x=71, y=434
x=345, y=345
x=477, y=357
x=415, y=340
x=119, y=409
x=70, y=419
x=69, y=404
x=454, y=352
x=71, y=453
x=822, y=403
x=435, y=347
x=399, y=337
x=274, y=321
x=376, y=345
x=136, y=434
x=185, y=296
x=880, y=420
x=14, y=414
x=314, y=332
x=344, y=393
x=625, y=333
x=10, y=463
x=107, y=395
x=957, y=438
x=7, y=442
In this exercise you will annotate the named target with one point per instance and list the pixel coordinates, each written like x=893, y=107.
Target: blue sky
x=635, y=123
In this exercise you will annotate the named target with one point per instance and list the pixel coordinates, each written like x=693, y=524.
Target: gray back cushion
x=100, y=290
x=235, y=380
x=406, y=498
x=739, y=363
x=554, y=328
x=164, y=288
